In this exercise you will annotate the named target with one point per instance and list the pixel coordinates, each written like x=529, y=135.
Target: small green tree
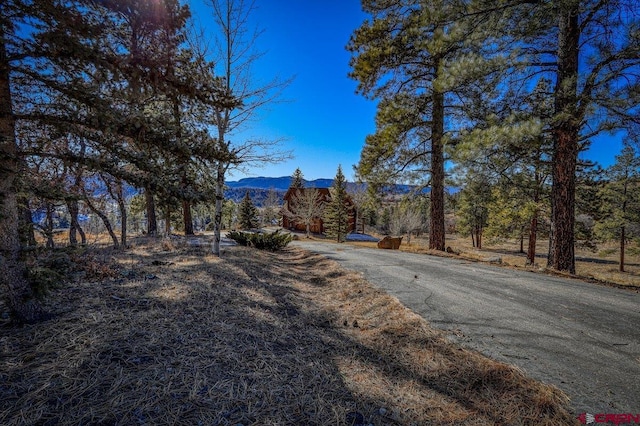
x=229, y=213
x=510, y=214
x=336, y=212
x=297, y=180
x=247, y=213
x=473, y=208
x=621, y=199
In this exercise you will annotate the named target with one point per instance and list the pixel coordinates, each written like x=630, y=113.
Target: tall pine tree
x=336, y=212
x=13, y=279
x=590, y=51
x=403, y=57
x=620, y=197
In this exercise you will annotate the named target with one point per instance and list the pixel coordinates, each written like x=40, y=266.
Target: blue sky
x=321, y=119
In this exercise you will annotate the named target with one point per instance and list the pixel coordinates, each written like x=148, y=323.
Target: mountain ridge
x=281, y=183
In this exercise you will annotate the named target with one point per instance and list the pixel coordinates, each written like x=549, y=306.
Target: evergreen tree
x=229, y=213
x=509, y=214
x=403, y=56
x=590, y=210
x=297, y=180
x=514, y=148
x=337, y=210
x=590, y=51
x=15, y=286
x=247, y=213
x=473, y=207
x=621, y=200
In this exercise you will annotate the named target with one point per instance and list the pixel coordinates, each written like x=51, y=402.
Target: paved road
x=581, y=337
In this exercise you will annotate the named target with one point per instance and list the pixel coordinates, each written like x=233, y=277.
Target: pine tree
x=336, y=212
x=247, y=213
x=473, y=207
x=15, y=287
x=297, y=180
x=590, y=51
x=402, y=57
x=514, y=148
x=620, y=196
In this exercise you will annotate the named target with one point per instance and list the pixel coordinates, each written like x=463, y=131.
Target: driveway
x=582, y=338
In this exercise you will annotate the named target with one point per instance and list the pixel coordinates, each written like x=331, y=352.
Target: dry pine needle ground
x=255, y=338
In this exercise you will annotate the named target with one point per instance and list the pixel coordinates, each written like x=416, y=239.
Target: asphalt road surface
x=581, y=337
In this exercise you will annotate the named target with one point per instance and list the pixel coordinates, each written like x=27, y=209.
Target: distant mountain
x=258, y=195
x=277, y=183
x=258, y=187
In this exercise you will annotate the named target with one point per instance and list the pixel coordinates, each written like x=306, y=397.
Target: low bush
x=48, y=268
x=273, y=241
x=241, y=238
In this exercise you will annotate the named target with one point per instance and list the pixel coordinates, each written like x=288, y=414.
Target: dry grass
x=600, y=266
x=254, y=338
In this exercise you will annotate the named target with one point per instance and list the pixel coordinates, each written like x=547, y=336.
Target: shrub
x=241, y=238
x=49, y=268
x=273, y=241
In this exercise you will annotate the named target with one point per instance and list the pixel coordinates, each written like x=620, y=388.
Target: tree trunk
x=565, y=139
x=551, y=240
x=105, y=220
x=24, y=307
x=188, y=217
x=533, y=233
x=116, y=192
x=122, y=206
x=73, y=214
x=622, y=237
x=167, y=220
x=74, y=226
x=473, y=239
x=25, y=221
x=522, y=241
x=152, y=220
x=436, y=226
x=217, y=217
x=48, y=230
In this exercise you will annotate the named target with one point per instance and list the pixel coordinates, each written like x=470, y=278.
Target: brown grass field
x=166, y=333
x=600, y=266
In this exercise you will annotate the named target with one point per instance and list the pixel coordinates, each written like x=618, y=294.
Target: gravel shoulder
x=580, y=337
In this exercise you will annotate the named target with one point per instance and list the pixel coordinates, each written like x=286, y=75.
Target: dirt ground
x=166, y=333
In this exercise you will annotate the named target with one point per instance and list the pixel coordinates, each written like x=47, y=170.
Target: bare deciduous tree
x=235, y=56
x=305, y=206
